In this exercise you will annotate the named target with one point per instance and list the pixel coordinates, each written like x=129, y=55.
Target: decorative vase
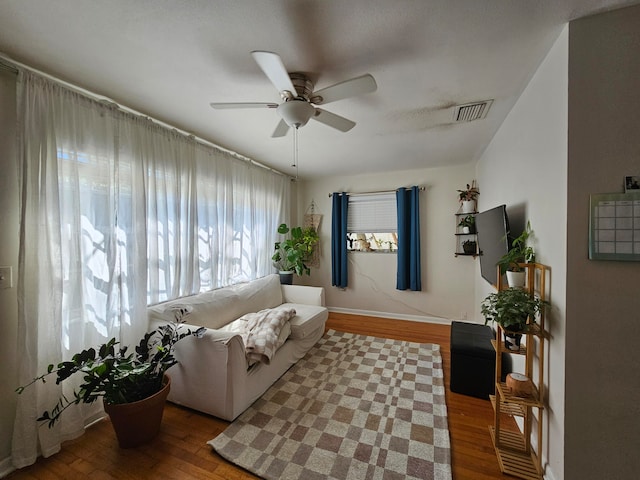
x=516, y=279
x=520, y=385
x=512, y=340
x=137, y=423
x=286, y=278
x=468, y=206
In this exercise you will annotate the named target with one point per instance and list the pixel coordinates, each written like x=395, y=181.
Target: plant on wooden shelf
x=468, y=224
x=119, y=378
x=469, y=247
x=470, y=193
x=519, y=253
x=292, y=253
x=513, y=309
x=468, y=197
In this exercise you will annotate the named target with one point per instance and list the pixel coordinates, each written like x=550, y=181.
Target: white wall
x=447, y=281
x=8, y=257
x=602, y=431
x=525, y=167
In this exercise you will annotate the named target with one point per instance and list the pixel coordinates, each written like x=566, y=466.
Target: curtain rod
x=7, y=66
x=11, y=65
x=421, y=188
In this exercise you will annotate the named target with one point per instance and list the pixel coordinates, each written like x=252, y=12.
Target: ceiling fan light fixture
x=300, y=100
x=296, y=113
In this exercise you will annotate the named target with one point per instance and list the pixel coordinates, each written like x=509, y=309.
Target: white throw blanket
x=260, y=332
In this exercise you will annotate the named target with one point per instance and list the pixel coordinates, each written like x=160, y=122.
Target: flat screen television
x=492, y=228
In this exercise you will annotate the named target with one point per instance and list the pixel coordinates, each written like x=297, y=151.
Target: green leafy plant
x=291, y=254
x=470, y=193
x=468, y=221
x=512, y=308
x=112, y=374
x=519, y=253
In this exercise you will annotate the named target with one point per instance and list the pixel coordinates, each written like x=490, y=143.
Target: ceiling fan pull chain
x=295, y=147
x=295, y=150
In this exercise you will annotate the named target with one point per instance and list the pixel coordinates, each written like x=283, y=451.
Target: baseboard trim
x=397, y=316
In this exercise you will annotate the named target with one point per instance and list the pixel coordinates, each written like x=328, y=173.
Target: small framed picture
x=632, y=184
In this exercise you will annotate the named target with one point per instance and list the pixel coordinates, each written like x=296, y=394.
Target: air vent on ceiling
x=471, y=111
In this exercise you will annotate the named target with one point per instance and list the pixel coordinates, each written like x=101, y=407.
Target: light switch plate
x=6, y=277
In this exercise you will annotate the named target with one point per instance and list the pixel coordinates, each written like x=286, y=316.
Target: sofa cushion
x=259, y=294
x=308, y=319
x=216, y=308
x=211, y=309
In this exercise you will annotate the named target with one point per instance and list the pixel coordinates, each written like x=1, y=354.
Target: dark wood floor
x=181, y=452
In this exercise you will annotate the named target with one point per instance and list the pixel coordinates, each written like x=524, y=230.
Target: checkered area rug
x=355, y=407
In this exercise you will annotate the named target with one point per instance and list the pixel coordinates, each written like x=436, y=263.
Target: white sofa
x=213, y=375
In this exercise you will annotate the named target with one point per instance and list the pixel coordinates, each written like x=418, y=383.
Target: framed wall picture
x=614, y=229
x=632, y=184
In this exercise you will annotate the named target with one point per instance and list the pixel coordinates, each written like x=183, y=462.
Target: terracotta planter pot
x=139, y=422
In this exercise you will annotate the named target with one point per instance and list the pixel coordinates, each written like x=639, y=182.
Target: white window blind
x=372, y=213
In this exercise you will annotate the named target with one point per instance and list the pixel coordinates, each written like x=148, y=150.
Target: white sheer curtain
x=170, y=198
x=239, y=210
x=117, y=213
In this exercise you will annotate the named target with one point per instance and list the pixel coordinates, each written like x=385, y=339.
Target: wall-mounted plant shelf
x=462, y=237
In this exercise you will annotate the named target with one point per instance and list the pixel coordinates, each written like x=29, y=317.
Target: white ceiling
x=170, y=58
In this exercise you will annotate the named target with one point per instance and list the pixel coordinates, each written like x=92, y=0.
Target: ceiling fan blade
x=281, y=130
x=272, y=66
x=221, y=106
x=348, y=88
x=333, y=120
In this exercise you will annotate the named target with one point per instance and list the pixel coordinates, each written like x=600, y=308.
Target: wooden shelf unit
x=513, y=458
x=514, y=450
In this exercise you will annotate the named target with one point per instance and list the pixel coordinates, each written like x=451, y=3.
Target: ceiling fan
x=299, y=99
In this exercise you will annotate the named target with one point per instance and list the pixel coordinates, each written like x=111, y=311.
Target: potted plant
x=468, y=224
x=468, y=197
x=513, y=309
x=133, y=386
x=291, y=253
x=520, y=252
x=469, y=247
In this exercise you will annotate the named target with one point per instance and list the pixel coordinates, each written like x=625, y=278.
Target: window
x=197, y=238
x=372, y=223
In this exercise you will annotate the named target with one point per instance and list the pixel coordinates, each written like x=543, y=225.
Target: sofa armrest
x=303, y=294
x=210, y=334
x=210, y=371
